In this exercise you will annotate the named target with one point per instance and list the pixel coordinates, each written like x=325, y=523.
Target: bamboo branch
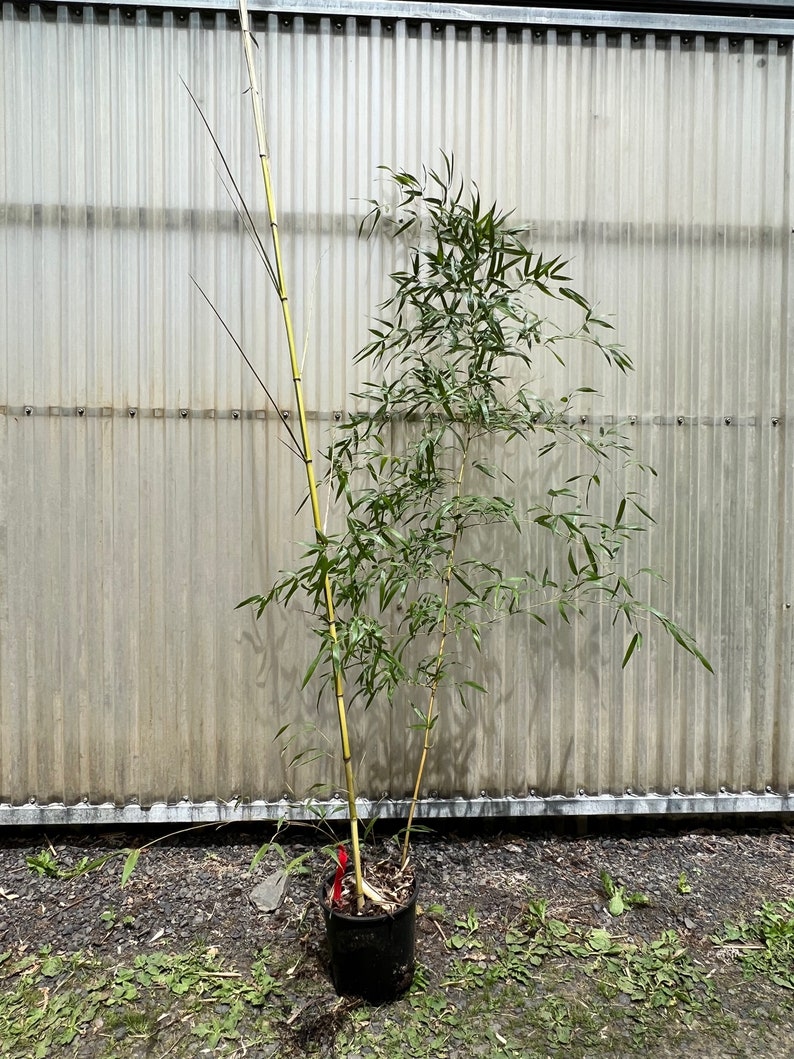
x=242, y=209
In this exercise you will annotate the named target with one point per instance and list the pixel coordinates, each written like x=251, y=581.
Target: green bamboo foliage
x=416, y=571
x=305, y=443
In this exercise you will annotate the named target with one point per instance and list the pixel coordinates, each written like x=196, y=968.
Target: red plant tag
x=336, y=894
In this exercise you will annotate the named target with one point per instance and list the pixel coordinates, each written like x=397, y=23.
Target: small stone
x=267, y=895
x=689, y=923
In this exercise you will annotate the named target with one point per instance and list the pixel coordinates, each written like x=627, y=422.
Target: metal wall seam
x=781, y=669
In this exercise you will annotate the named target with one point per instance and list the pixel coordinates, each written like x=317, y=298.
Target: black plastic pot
x=371, y=957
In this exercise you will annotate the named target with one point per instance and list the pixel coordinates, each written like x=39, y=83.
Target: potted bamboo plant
x=432, y=542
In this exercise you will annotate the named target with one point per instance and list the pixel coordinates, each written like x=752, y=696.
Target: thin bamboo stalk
x=442, y=646
x=297, y=380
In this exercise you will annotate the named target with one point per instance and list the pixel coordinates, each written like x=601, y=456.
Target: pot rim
x=329, y=910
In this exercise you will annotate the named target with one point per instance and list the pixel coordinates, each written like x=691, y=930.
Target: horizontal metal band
x=702, y=18
x=481, y=808
x=338, y=415
x=130, y=412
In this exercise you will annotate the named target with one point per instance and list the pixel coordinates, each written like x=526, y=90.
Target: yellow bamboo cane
x=264, y=156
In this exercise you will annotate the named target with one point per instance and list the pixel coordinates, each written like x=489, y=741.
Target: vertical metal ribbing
x=660, y=164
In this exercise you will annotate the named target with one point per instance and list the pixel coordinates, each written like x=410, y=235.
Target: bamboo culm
x=261, y=138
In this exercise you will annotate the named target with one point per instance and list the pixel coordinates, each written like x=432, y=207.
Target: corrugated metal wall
x=143, y=486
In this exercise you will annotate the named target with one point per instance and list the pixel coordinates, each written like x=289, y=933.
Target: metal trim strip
x=472, y=14
x=480, y=808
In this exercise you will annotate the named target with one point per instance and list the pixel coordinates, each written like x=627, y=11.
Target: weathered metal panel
x=144, y=485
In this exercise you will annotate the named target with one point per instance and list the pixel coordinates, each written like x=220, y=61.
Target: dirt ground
x=192, y=894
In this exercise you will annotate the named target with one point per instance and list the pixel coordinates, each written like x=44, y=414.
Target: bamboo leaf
x=473, y=684
x=249, y=601
x=260, y=854
x=129, y=866
x=634, y=643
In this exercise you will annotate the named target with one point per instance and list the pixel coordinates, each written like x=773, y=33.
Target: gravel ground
x=195, y=890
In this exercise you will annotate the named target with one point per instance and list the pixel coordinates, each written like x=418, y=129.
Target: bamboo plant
x=405, y=589
x=426, y=513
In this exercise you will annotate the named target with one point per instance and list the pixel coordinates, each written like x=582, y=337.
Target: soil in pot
x=372, y=955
